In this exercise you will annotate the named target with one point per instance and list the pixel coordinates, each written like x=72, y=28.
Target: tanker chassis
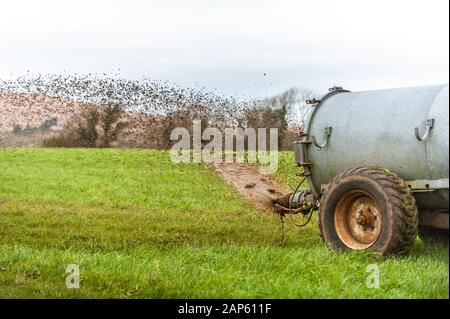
x=377, y=168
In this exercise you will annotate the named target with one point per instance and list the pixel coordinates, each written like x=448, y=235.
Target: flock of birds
x=146, y=96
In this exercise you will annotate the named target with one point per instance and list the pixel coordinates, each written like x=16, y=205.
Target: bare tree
x=111, y=124
x=287, y=111
x=292, y=104
x=95, y=127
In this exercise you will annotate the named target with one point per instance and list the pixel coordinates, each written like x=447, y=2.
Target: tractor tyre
x=368, y=208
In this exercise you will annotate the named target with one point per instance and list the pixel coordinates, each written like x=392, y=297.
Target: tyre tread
x=405, y=214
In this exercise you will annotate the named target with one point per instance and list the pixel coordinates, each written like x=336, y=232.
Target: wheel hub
x=358, y=220
x=366, y=218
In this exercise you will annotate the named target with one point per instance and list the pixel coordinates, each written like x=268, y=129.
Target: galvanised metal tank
x=404, y=131
x=378, y=128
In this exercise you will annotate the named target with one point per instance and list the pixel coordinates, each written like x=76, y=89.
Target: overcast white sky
x=228, y=46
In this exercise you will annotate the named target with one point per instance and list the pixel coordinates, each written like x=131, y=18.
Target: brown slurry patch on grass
x=251, y=184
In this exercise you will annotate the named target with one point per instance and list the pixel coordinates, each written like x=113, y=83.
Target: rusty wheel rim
x=358, y=220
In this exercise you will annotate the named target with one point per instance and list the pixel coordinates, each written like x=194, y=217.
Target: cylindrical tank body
x=378, y=128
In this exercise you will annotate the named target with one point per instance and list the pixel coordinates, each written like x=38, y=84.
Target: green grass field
x=140, y=226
